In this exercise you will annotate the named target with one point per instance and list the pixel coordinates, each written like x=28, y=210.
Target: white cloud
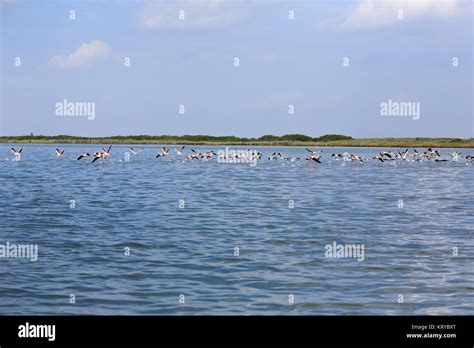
x=85, y=55
x=198, y=14
x=378, y=13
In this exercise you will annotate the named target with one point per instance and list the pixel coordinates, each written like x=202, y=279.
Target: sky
x=169, y=67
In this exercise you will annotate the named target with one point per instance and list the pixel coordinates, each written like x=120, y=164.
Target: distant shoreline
x=267, y=140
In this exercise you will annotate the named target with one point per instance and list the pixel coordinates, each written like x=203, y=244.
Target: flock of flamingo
x=254, y=155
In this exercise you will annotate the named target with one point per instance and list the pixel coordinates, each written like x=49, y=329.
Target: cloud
x=85, y=55
x=376, y=13
x=198, y=14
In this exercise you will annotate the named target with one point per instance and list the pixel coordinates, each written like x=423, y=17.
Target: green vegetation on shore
x=266, y=140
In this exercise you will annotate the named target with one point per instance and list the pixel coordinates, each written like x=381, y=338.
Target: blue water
x=190, y=251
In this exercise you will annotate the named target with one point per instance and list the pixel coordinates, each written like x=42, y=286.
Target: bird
x=98, y=155
x=135, y=151
x=193, y=155
x=378, y=157
x=106, y=151
x=356, y=158
x=208, y=155
x=275, y=156
x=430, y=153
x=82, y=155
x=455, y=156
x=15, y=152
x=313, y=152
x=417, y=156
x=403, y=155
x=163, y=153
x=59, y=153
x=292, y=159
x=180, y=151
x=388, y=154
x=104, y=154
x=313, y=157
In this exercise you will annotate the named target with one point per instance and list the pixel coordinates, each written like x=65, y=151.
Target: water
x=191, y=250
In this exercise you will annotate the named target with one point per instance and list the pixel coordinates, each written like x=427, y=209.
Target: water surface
x=191, y=250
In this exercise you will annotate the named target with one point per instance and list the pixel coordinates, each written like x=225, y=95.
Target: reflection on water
x=235, y=246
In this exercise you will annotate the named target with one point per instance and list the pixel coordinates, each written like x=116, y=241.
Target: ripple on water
x=236, y=247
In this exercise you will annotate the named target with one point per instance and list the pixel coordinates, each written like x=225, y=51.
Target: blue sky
x=282, y=61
